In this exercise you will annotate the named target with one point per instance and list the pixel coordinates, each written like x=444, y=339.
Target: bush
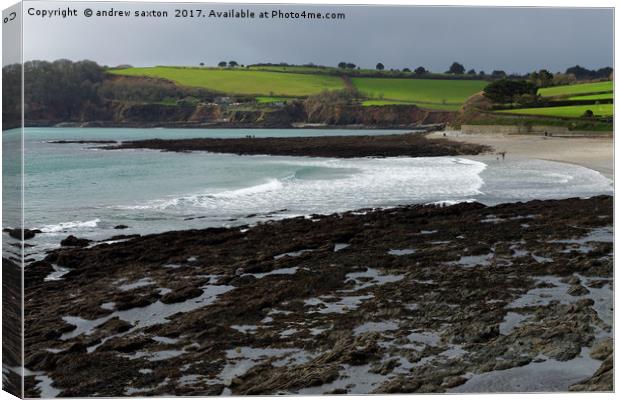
x=509, y=91
x=588, y=114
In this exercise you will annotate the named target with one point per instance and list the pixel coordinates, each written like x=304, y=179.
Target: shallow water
x=141, y=317
x=547, y=376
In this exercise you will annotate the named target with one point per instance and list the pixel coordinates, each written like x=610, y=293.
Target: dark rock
x=577, y=290
x=129, y=301
x=601, y=381
x=436, y=299
x=597, y=283
x=75, y=242
x=115, y=325
x=602, y=349
x=123, y=237
x=453, y=381
x=413, y=145
x=37, y=271
x=78, y=347
x=121, y=227
x=126, y=344
x=386, y=367
x=16, y=233
x=41, y=360
x=181, y=295
x=480, y=333
x=564, y=351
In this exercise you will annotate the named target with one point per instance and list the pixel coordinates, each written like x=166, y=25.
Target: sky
x=516, y=40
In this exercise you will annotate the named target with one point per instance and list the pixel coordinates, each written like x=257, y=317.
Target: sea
x=83, y=190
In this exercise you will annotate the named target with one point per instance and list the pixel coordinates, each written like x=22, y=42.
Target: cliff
x=115, y=113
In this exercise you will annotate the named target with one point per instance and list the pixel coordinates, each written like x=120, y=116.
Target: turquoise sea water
x=82, y=190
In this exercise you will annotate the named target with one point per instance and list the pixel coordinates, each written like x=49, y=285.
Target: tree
x=584, y=73
x=580, y=72
x=342, y=64
x=420, y=71
x=222, y=64
x=202, y=64
x=563, y=79
x=63, y=89
x=481, y=73
x=380, y=67
x=545, y=78
x=508, y=90
x=588, y=114
x=406, y=70
x=471, y=72
x=498, y=74
x=456, y=68
x=604, y=72
x=232, y=63
x=350, y=66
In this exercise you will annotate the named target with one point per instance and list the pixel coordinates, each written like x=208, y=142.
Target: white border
x=484, y=3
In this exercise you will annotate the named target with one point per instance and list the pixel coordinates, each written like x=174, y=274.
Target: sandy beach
x=593, y=153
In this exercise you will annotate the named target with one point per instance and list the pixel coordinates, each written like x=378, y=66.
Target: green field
x=269, y=85
x=292, y=68
x=603, y=110
x=241, y=81
x=431, y=92
x=577, y=89
x=600, y=96
x=430, y=106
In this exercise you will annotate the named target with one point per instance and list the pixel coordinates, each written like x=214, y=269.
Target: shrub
x=508, y=91
x=588, y=114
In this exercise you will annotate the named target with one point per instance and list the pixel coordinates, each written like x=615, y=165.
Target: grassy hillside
x=600, y=96
x=584, y=92
x=602, y=110
x=426, y=92
x=577, y=89
x=242, y=81
x=275, y=84
x=292, y=68
x=431, y=106
x=271, y=83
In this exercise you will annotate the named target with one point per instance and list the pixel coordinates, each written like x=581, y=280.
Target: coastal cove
x=87, y=191
x=214, y=267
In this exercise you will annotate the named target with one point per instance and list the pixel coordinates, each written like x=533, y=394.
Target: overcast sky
x=511, y=39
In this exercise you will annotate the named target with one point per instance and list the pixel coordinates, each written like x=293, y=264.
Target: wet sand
x=593, y=153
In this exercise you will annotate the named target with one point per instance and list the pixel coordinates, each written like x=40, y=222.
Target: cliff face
x=116, y=113
x=388, y=116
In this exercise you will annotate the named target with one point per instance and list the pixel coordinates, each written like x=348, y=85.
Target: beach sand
x=593, y=153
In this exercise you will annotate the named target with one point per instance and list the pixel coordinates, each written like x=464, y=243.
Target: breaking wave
x=326, y=186
x=71, y=225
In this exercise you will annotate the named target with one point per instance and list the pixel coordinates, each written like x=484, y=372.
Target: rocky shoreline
x=401, y=300
x=412, y=145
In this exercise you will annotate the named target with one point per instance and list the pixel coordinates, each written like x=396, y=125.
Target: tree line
x=64, y=90
x=544, y=77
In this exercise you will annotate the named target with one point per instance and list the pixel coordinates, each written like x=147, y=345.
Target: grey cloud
x=512, y=39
